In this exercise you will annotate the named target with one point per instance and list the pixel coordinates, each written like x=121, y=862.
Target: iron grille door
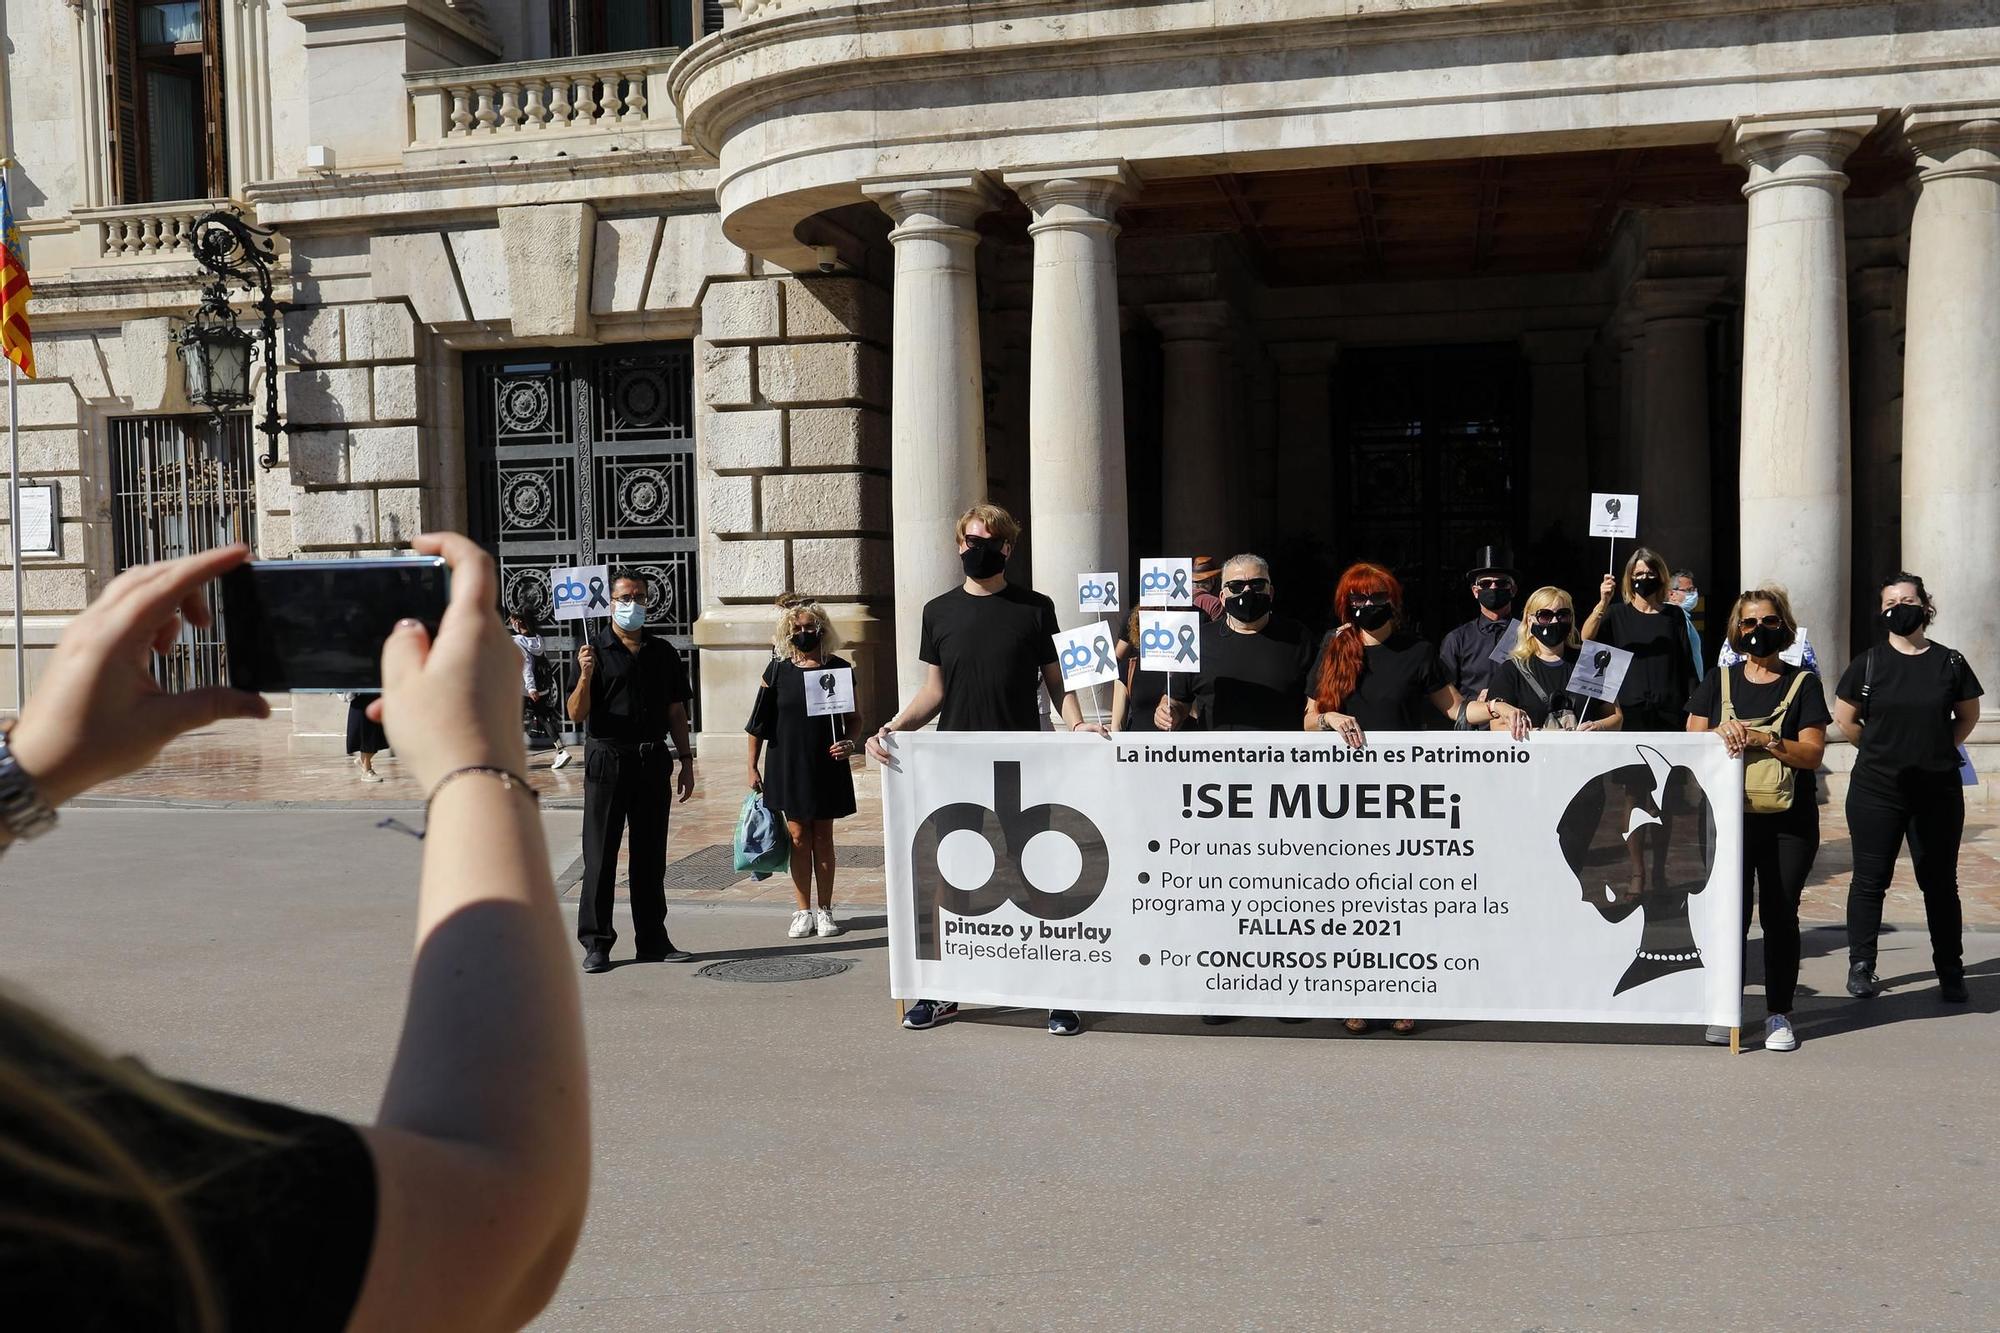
x=586, y=456
x=182, y=485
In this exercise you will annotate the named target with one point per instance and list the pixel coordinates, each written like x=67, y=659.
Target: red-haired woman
x=1373, y=677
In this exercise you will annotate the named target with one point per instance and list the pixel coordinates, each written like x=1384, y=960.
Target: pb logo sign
x=1096, y=592
x=1007, y=829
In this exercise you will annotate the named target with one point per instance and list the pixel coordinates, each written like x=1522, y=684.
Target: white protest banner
x=1096, y=592
x=1592, y=878
x=1085, y=655
x=1167, y=580
x=582, y=591
x=1170, y=640
x=1508, y=638
x=1599, y=672
x=829, y=691
x=1614, y=516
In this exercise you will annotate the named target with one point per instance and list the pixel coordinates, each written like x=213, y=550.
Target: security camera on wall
x=828, y=257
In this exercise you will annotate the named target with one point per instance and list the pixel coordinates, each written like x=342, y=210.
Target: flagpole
x=14, y=490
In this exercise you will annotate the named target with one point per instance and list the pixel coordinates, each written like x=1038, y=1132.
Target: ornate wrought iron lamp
x=215, y=352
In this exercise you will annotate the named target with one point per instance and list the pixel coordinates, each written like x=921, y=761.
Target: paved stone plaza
x=784, y=1156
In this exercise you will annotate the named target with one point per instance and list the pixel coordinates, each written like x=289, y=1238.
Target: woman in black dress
x=1136, y=694
x=1661, y=676
x=1529, y=690
x=807, y=778
x=365, y=739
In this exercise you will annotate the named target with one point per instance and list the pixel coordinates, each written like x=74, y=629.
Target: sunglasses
x=1768, y=622
x=1487, y=585
x=1547, y=617
x=1235, y=586
x=1370, y=599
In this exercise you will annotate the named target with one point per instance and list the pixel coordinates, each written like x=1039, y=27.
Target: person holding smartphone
x=136, y=1201
x=631, y=692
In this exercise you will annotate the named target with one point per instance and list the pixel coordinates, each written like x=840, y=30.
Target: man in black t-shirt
x=630, y=693
x=988, y=647
x=1467, y=652
x=1253, y=663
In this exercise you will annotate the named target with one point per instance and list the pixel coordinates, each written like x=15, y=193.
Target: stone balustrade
x=142, y=233
x=541, y=108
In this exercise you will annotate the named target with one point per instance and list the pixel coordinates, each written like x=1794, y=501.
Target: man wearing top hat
x=1467, y=652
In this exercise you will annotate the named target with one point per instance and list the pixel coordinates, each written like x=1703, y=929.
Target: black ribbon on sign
x=1104, y=662
x=597, y=597
x=1180, y=583
x=1187, y=653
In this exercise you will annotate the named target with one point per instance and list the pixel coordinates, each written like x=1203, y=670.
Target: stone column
x=1076, y=397
x=1674, y=445
x=1304, y=497
x=1951, y=392
x=1793, y=492
x=937, y=429
x=1558, y=432
x=1194, y=456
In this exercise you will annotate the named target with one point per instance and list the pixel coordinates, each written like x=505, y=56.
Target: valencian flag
x=14, y=338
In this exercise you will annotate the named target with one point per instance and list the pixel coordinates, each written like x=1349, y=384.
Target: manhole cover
x=786, y=967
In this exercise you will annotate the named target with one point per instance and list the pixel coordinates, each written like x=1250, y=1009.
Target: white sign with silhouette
x=829, y=691
x=1614, y=516
x=1567, y=878
x=1599, y=672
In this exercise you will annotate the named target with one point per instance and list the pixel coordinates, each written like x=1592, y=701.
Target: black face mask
x=982, y=557
x=1904, y=618
x=1246, y=607
x=1763, y=642
x=1372, y=617
x=806, y=640
x=1646, y=586
x=1495, y=598
x=1554, y=635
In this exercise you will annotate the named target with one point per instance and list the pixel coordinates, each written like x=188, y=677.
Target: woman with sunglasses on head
x=1773, y=714
x=1662, y=673
x=1908, y=705
x=1530, y=689
x=1371, y=676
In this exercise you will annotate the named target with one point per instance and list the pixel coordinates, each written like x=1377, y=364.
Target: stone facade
x=900, y=299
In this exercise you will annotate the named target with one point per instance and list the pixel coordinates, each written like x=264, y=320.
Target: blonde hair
x=791, y=610
x=49, y=1080
x=1542, y=599
x=998, y=521
x=1645, y=555
x=1776, y=596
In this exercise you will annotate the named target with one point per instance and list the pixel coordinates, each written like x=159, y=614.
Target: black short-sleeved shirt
x=1906, y=718
x=1143, y=689
x=1751, y=701
x=285, y=1225
x=1397, y=680
x=631, y=694
x=1662, y=670
x=1250, y=682
x=1510, y=687
x=1467, y=653
x=991, y=650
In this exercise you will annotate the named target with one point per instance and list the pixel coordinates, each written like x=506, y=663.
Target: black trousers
x=1778, y=854
x=541, y=715
x=625, y=786
x=1929, y=810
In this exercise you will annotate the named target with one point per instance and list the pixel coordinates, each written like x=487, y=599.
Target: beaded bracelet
x=511, y=781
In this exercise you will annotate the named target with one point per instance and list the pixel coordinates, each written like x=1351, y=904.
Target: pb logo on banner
x=1170, y=641
x=1007, y=829
x=1084, y=653
x=582, y=591
x=1167, y=580
x=1096, y=592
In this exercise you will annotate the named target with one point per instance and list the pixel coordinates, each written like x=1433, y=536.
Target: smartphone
x=317, y=626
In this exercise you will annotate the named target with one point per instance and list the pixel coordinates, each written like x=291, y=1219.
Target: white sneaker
x=562, y=757
x=823, y=925
x=1716, y=1036
x=370, y=775
x=1778, y=1034
x=802, y=925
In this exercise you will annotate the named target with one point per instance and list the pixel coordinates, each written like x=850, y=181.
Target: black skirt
x=363, y=736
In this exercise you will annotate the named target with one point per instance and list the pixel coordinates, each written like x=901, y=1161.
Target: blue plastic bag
x=763, y=848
